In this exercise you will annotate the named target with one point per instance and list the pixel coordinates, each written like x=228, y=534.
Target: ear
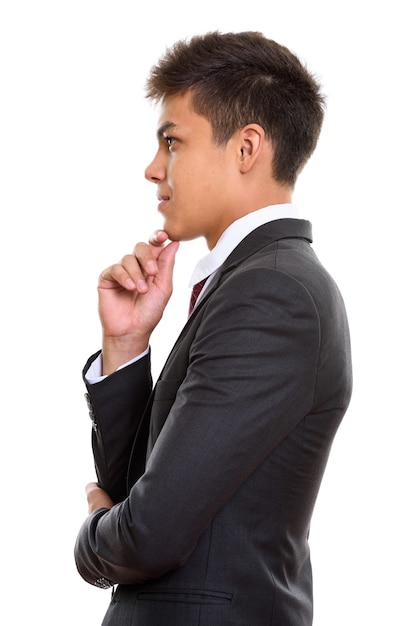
x=251, y=141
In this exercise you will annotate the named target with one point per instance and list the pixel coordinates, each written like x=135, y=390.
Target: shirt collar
x=235, y=233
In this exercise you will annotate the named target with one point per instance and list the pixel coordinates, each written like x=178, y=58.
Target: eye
x=170, y=141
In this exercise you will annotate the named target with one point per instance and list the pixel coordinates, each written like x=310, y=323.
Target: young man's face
x=195, y=178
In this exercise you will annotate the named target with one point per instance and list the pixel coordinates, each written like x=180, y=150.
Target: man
x=207, y=482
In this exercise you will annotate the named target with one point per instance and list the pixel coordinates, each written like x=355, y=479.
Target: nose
x=155, y=171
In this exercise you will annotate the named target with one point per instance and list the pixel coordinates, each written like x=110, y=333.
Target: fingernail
x=151, y=266
x=141, y=285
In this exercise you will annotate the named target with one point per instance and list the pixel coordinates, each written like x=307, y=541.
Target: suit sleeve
x=249, y=382
x=116, y=405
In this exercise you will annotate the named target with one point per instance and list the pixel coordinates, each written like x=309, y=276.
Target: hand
x=97, y=498
x=132, y=297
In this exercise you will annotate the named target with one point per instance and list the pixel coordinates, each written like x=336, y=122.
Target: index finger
x=158, y=238
x=146, y=255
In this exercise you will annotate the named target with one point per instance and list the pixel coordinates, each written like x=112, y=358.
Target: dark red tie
x=197, y=288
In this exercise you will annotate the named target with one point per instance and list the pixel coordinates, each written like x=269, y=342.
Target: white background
x=75, y=137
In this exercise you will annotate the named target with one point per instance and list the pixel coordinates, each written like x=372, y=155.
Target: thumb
x=166, y=263
x=167, y=258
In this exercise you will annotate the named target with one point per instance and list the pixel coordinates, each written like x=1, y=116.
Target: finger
x=90, y=487
x=158, y=238
x=138, y=270
x=126, y=274
x=166, y=261
x=146, y=256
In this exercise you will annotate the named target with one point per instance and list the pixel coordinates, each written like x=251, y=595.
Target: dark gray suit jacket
x=216, y=470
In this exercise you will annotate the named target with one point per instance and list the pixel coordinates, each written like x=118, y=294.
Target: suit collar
x=235, y=233
x=266, y=234
x=256, y=240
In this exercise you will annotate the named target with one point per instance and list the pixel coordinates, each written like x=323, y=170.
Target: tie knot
x=197, y=288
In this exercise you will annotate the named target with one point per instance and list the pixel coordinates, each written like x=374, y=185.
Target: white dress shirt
x=209, y=264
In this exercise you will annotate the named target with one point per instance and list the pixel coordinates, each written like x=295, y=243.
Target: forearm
x=116, y=407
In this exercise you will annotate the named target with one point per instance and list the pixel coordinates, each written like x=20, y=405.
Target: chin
x=174, y=234
x=179, y=234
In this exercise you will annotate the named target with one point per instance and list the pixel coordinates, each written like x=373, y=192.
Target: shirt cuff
x=94, y=373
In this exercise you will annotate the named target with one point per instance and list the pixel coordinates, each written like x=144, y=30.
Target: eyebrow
x=163, y=128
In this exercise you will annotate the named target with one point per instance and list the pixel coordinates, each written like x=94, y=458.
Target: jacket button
x=91, y=411
x=103, y=583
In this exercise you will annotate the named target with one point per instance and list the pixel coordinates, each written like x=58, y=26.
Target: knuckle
x=126, y=259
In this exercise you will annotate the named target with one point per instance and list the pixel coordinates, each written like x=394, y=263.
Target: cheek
x=197, y=183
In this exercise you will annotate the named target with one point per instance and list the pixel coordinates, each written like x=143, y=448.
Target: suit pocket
x=189, y=596
x=173, y=606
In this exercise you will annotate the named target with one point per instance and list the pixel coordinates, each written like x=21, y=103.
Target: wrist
x=116, y=351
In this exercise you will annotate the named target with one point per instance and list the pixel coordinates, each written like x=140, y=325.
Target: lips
x=162, y=201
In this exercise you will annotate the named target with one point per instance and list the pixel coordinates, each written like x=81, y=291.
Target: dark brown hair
x=242, y=78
